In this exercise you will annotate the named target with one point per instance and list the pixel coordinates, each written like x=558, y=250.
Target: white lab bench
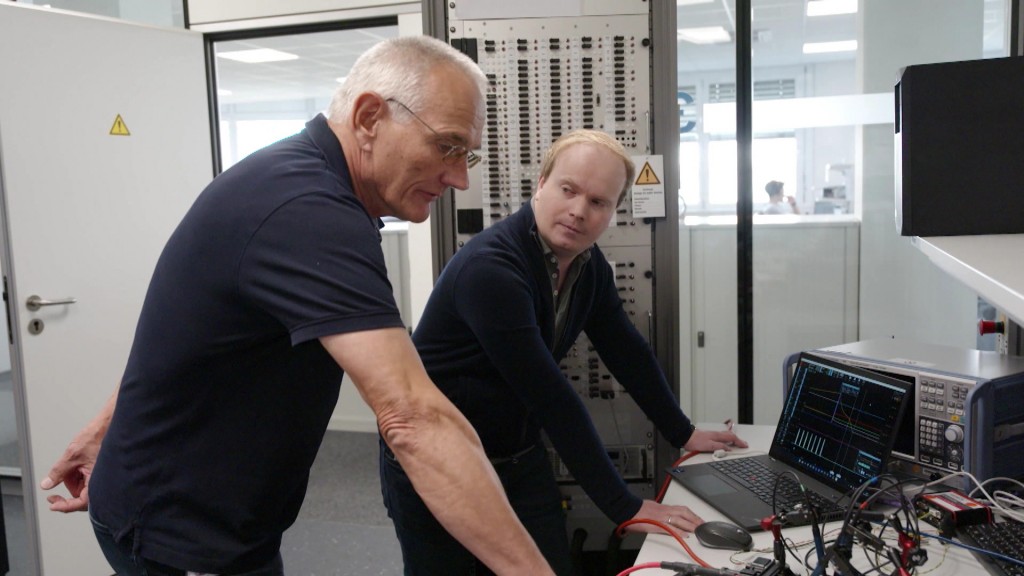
x=943, y=560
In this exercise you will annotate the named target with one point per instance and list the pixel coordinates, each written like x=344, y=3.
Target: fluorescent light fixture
x=705, y=35
x=692, y=2
x=826, y=47
x=257, y=55
x=831, y=7
x=223, y=92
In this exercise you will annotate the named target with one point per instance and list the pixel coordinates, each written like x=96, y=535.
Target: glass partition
x=829, y=266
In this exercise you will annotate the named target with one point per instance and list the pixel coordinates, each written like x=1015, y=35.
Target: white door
x=104, y=143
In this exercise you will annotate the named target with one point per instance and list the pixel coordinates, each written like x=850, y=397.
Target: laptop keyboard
x=1006, y=538
x=761, y=480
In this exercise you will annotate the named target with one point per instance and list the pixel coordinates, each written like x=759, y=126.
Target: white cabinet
x=805, y=296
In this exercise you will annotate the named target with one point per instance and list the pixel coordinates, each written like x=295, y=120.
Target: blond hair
x=597, y=138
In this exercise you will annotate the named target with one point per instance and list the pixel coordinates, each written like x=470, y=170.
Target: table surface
x=943, y=560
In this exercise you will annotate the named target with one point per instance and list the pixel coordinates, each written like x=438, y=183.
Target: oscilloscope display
x=838, y=423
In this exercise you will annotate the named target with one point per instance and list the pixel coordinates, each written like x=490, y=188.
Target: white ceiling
x=323, y=57
x=779, y=30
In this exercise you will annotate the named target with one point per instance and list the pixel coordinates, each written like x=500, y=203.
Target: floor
x=342, y=528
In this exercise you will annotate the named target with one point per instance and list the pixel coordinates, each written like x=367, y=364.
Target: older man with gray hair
x=271, y=288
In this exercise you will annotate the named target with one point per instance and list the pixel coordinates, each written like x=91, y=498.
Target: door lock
x=35, y=326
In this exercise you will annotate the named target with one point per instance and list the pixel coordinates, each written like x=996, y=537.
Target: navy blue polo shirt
x=227, y=391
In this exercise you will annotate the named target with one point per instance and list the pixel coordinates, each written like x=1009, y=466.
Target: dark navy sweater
x=487, y=340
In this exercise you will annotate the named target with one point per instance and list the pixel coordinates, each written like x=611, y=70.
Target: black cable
x=873, y=560
x=806, y=558
x=905, y=509
x=775, y=510
x=579, y=537
x=886, y=484
x=816, y=528
x=845, y=538
x=611, y=554
x=792, y=552
x=775, y=491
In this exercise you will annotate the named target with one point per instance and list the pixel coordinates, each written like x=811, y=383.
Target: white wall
x=903, y=295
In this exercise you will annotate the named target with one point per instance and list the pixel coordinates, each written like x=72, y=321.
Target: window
x=290, y=80
x=707, y=157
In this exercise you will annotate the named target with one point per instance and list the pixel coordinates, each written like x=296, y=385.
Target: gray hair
x=398, y=68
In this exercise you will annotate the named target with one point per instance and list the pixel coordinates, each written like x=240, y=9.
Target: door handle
x=35, y=302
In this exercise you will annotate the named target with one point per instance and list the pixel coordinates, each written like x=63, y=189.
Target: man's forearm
x=437, y=447
x=465, y=495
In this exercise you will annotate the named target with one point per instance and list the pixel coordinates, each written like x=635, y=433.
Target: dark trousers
x=125, y=562
x=428, y=549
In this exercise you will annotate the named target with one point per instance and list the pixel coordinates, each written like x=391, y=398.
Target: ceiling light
x=831, y=7
x=692, y=2
x=825, y=47
x=705, y=35
x=257, y=55
x=340, y=79
x=223, y=92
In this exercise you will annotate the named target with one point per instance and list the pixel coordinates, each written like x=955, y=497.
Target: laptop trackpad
x=710, y=485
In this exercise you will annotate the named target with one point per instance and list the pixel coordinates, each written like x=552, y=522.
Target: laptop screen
x=839, y=422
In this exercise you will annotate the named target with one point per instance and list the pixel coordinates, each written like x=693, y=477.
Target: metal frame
x=442, y=213
x=744, y=216
x=665, y=241
x=1016, y=27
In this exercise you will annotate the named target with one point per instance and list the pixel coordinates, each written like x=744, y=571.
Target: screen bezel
x=789, y=458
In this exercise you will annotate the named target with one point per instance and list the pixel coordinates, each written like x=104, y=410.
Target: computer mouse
x=718, y=534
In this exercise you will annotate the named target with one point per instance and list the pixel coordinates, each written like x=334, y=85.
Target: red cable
x=638, y=567
x=667, y=530
x=661, y=494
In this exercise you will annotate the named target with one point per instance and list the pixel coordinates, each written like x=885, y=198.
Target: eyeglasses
x=451, y=154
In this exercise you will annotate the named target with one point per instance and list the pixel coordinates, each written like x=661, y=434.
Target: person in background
x=270, y=288
x=776, y=196
x=504, y=312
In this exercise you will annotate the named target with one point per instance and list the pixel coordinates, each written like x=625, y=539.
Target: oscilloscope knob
x=954, y=433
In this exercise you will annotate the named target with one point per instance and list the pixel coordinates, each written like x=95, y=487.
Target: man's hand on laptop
x=709, y=441
x=680, y=518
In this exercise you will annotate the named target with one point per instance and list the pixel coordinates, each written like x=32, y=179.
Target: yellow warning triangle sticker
x=119, y=128
x=647, y=176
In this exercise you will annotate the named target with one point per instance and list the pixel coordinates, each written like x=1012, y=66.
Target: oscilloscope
x=968, y=406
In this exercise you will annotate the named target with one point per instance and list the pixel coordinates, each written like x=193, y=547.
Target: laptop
x=836, y=431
